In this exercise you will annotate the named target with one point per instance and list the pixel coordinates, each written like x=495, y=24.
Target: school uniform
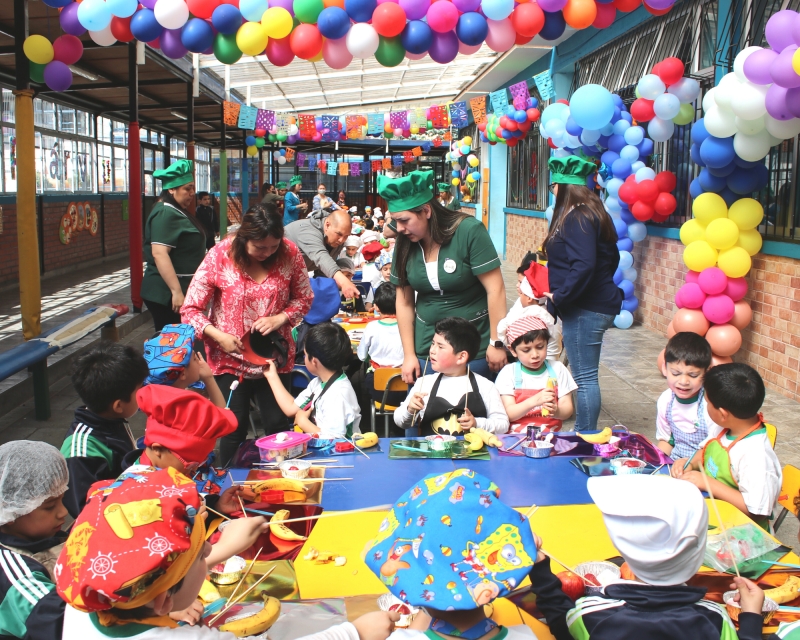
x=683, y=423
x=334, y=406
x=517, y=311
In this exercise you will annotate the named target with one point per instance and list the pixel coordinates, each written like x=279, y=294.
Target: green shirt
x=169, y=226
x=453, y=205
x=469, y=254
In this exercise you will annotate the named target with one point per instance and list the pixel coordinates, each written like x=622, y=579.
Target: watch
x=498, y=344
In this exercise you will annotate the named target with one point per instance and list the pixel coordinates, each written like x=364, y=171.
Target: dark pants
x=162, y=315
x=272, y=418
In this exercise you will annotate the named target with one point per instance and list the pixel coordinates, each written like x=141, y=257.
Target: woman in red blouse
x=255, y=281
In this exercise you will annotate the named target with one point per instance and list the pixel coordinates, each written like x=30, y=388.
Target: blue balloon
x=591, y=107
x=627, y=216
x=196, y=35
x=145, y=27
x=333, y=23
x=533, y=103
x=633, y=135
x=520, y=116
x=618, y=277
x=630, y=304
x=645, y=147
x=554, y=25
x=729, y=196
x=637, y=231
x=722, y=172
x=57, y=4
x=621, y=168
x=624, y=320
x=626, y=244
x=455, y=173
x=507, y=135
x=416, y=37
x=621, y=227
x=710, y=182
x=625, y=259
x=616, y=143
x=763, y=176
x=699, y=133
x=747, y=164
x=510, y=110
x=472, y=28
x=629, y=153
x=360, y=10
x=226, y=19
x=608, y=157
x=573, y=128
x=627, y=117
x=717, y=152
x=694, y=154
x=743, y=181
x=617, y=100
x=497, y=9
x=250, y=141
x=282, y=152
x=590, y=151
x=620, y=127
x=627, y=288
x=476, y=175
x=695, y=189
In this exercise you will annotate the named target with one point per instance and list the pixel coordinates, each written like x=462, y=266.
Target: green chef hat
x=295, y=180
x=176, y=175
x=281, y=185
x=443, y=186
x=570, y=170
x=408, y=192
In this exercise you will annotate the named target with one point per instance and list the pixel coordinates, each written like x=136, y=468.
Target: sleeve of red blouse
x=200, y=292
x=300, y=293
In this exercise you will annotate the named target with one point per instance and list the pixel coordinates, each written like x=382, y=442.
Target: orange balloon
x=579, y=14
x=742, y=315
x=661, y=362
x=725, y=339
x=670, y=330
x=333, y=3
x=715, y=360
x=690, y=320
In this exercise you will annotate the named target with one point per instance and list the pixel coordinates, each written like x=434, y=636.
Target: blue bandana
x=169, y=353
x=449, y=543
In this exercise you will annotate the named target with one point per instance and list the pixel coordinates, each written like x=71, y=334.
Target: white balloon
x=631, y=273
x=171, y=14
x=773, y=140
x=749, y=127
x=782, y=129
x=660, y=130
x=667, y=106
x=727, y=91
x=645, y=173
x=709, y=99
x=281, y=160
x=687, y=90
x=561, y=153
x=103, y=38
x=276, y=154
x=750, y=103
x=752, y=148
x=738, y=62
x=651, y=86
x=720, y=122
x=362, y=40
x=293, y=130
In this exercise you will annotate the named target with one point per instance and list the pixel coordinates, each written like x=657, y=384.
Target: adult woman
x=322, y=202
x=582, y=256
x=447, y=261
x=341, y=199
x=448, y=200
x=254, y=281
x=174, y=245
x=292, y=205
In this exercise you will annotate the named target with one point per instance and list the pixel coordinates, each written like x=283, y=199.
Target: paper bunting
x=365, y=167
x=230, y=113
x=397, y=161
x=387, y=163
x=478, y=106
x=426, y=146
x=333, y=168
x=417, y=117
x=447, y=136
x=330, y=128
x=397, y=119
x=458, y=114
x=290, y=155
x=301, y=159
x=353, y=127
x=544, y=84
x=307, y=128
x=439, y=116
x=247, y=117
x=282, y=122
x=416, y=151
x=322, y=165
x=519, y=95
x=437, y=142
x=355, y=168
x=408, y=156
x=499, y=101
x=265, y=119
x=374, y=124
x=377, y=165
x=344, y=168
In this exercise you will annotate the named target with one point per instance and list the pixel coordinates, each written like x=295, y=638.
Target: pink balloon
x=416, y=56
x=692, y=296
x=736, y=289
x=679, y=299
x=382, y=1
x=742, y=315
x=718, y=309
x=501, y=36
x=442, y=16
x=279, y=52
x=713, y=281
x=336, y=54
x=466, y=49
x=67, y=49
x=692, y=276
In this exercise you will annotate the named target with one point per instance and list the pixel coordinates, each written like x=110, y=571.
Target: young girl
x=534, y=390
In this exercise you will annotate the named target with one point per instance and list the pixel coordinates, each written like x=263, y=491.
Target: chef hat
x=522, y=326
x=537, y=278
x=353, y=209
x=169, y=353
x=371, y=250
x=346, y=265
x=352, y=241
x=384, y=259
x=657, y=523
x=24, y=486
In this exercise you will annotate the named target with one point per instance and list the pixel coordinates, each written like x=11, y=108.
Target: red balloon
x=642, y=110
x=512, y=125
x=605, y=16
x=665, y=205
x=666, y=181
x=627, y=193
x=389, y=19
x=482, y=125
x=504, y=122
x=656, y=12
x=525, y=126
x=562, y=101
x=305, y=41
x=279, y=51
x=533, y=114
x=260, y=133
x=498, y=131
x=551, y=144
x=527, y=19
x=641, y=211
x=67, y=49
x=626, y=6
x=512, y=142
x=670, y=70
x=202, y=8
x=522, y=39
x=647, y=191
x=658, y=218
x=121, y=29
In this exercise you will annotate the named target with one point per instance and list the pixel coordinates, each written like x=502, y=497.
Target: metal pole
x=190, y=151
x=135, y=228
x=245, y=176
x=223, y=179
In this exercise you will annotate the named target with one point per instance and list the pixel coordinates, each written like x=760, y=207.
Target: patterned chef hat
x=169, y=353
x=522, y=326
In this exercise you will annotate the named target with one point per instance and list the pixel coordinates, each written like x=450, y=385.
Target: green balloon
x=272, y=137
x=259, y=142
x=281, y=137
x=430, y=124
x=295, y=23
x=307, y=10
x=390, y=52
x=37, y=72
x=388, y=135
x=685, y=115
x=225, y=48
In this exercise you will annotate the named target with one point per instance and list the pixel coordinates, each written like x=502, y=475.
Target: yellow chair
x=789, y=491
x=772, y=433
x=386, y=379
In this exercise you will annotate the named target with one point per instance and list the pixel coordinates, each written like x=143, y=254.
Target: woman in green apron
x=448, y=200
x=174, y=245
x=444, y=265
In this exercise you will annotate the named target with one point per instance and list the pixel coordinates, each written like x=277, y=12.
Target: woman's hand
x=549, y=296
x=229, y=343
x=177, y=301
x=410, y=369
x=268, y=324
x=496, y=358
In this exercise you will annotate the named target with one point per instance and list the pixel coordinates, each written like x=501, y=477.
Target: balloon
x=621, y=168
x=776, y=103
x=650, y=87
x=666, y=181
x=592, y=106
x=637, y=232
x=336, y=54
x=746, y=213
x=415, y=9
x=757, y=66
x=752, y=147
x=642, y=110
x=660, y=130
x=104, y=37
x=467, y=49
x=390, y=51
x=647, y=190
x=718, y=360
x=750, y=240
x=94, y=15
x=501, y=35
x=722, y=233
x=57, y=76
x=305, y=41
x=629, y=153
x=725, y=339
x=708, y=207
x=278, y=23
x=605, y=16
x=417, y=36
x=624, y=320
x=527, y=19
x=145, y=27
x=279, y=52
x=735, y=262
x=465, y=6
x=690, y=320
x=251, y=38
x=742, y=315
x=308, y=10
x=625, y=260
x=665, y=204
x=666, y=106
x=700, y=255
x=171, y=45
x=551, y=6
x=496, y=9
x=580, y=14
x=362, y=40
x=442, y=16
x=778, y=31
x=718, y=309
x=38, y=49
x=225, y=49
x=712, y=281
x=670, y=70
x=67, y=49
x=633, y=135
x=226, y=18
x=68, y=18
x=692, y=296
x=252, y=10
x=198, y=8
x=554, y=25
x=389, y=20
x=627, y=288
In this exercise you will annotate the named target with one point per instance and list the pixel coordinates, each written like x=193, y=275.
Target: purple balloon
x=148, y=4
x=291, y=139
x=444, y=48
x=782, y=71
x=660, y=4
x=57, y=76
x=69, y=20
x=465, y=6
x=415, y=9
x=171, y=44
x=285, y=4
x=776, y=103
x=780, y=28
x=758, y=64
x=552, y=5
x=793, y=101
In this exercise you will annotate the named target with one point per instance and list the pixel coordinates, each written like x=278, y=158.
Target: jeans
x=478, y=366
x=583, y=338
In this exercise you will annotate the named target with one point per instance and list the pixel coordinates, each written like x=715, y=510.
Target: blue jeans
x=583, y=337
x=478, y=366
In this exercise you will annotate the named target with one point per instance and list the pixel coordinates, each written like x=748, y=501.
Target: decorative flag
x=408, y=156
x=355, y=168
x=397, y=160
x=290, y=155
x=437, y=142
x=387, y=163
x=458, y=114
x=247, y=117
x=331, y=125
x=333, y=168
x=344, y=168
x=265, y=119
x=478, y=106
x=426, y=146
x=301, y=159
x=374, y=124
x=365, y=167
x=499, y=101
x=230, y=113
x=519, y=95
x=282, y=122
x=447, y=137
x=353, y=125
x=397, y=119
x=544, y=83
x=307, y=128
x=322, y=165
x=418, y=117
x=416, y=151
x=376, y=165
x=439, y=116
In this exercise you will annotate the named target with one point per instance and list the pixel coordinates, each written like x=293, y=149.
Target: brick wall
x=116, y=229
x=9, y=257
x=82, y=247
x=523, y=234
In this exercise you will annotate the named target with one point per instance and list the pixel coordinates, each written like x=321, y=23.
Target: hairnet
x=30, y=473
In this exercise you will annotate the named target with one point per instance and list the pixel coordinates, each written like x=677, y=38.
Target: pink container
x=290, y=445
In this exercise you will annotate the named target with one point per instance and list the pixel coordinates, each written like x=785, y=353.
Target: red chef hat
x=537, y=277
x=183, y=421
x=371, y=250
x=522, y=326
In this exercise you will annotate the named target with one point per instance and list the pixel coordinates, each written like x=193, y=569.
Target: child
x=351, y=250
x=207, y=218
x=173, y=361
x=328, y=406
x=369, y=235
x=370, y=251
x=106, y=378
x=682, y=420
x=384, y=266
x=33, y=479
x=453, y=399
x=534, y=384
x=737, y=456
x=349, y=305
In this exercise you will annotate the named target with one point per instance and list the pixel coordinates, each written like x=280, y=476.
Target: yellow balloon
x=700, y=255
x=722, y=233
x=746, y=213
x=709, y=206
x=734, y=262
x=474, y=162
x=796, y=62
x=251, y=38
x=38, y=49
x=467, y=140
x=252, y=150
x=455, y=182
x=317, y=57
x=277, y=22
x=470, y=178
x=692, y=230
x=750, y=240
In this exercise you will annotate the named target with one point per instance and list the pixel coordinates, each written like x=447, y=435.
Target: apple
x=571, y=584
x=402, y=609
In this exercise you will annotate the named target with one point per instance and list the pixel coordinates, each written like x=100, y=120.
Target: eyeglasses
x=189, y=468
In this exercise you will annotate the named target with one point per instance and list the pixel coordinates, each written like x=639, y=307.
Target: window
x=528, y=175
x=9, y=159
x=203, y=168
x=708, y=34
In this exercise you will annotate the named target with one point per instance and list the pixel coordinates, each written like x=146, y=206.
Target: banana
x=551, y=384
x=787, y=592
x=474, y=440
x=281, y=530
x=598, y=438
x=367, y=440
x=208, y=593
x=488, y=439
x=294, y=496
x=256, y=624
x=281, y=484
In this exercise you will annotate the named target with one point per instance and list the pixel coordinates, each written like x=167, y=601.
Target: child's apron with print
x=445, y=415
x=533, y=417
x=689, y=441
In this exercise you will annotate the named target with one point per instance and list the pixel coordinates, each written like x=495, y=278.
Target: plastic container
x=440, y=442
x=605, y=572
x=295, y=469
x=539, y=449
x=627, y=466
x=608, y=450
x=229, y=572
x=282, y=446
x=768, y=609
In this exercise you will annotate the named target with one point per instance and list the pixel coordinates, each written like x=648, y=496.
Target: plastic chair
x=363, y=288
x=772, y=433
x=386, y=379
x=790, y=487
x=300, y=379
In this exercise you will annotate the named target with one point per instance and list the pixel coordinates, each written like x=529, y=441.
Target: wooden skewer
x=241, y=597
x=355, y=447
x=251, y=482
x=566, y=566
x=328, y=514
x=217, y=512
x=531, y=511
x=421, y=382
x=244, y=577
x=241, y=504
x=725, y=538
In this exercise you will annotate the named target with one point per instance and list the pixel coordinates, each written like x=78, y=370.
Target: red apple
x=571, y=584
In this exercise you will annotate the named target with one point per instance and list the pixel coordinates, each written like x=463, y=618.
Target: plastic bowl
x=627, y=466
x=440, y=442
x=295, y=469
x=539, y=449
x=609, y=449
x=768, y=609
x=228, y=572
x=389, y=602
x=598, y=568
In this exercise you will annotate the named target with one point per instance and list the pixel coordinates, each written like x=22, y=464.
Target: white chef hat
x=525, y=287
x=657, y=523
x=353, y=209
x=352, y=241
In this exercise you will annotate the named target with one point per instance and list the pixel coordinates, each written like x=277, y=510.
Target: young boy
x=737, y=456
x=349, y=305
x=33, y=479
x=682, y=420
x=207, y=218
x=106, y=378
x=173, y=361
x=328, y=406
x=351, y=250
x=534, y=389
x=384, y=266
x=453, y=399
x=370, y=251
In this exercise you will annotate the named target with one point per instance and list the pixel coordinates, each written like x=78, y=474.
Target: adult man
x=320, y=239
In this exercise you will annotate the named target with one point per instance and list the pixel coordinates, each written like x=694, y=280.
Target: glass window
x=147, y=160
x=84, y=123
x=83, y=162
x=8, y=106
x=120, y=169
x=66, y=120
x=67, y=164
x=105, y=168
x=708, y=35
x=148, y=184
x=177, y=148
x=528, y=175
x=159, y=160
x=104, y=129
x=49, y=154
x=44, y=114
x=119, y=133
x=9, y=159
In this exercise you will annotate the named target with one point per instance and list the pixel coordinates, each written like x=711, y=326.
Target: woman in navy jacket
x=582, y=256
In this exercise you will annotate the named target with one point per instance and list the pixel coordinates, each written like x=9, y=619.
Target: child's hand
x=750, y=596
x=417, y=402
x=545, y=397
x=190, y=615
x=377, y=625
x=695, y=477
x=271, y=371
x=467, y=420
x=203, y=368
x=539, y=555
x=677, y=467
x=228, y=502
x=237, y=536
